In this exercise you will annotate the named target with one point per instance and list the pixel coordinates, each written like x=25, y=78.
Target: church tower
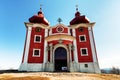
x=60, y=47
x=34, y=49
x=84, y=45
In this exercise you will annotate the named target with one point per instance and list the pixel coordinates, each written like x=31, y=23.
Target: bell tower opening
x=60, y=59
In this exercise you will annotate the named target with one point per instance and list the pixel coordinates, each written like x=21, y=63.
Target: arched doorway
x=60, y=59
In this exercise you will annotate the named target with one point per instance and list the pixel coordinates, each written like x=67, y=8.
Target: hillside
x=57, y=76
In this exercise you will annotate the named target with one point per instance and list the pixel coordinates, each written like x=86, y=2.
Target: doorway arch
x=60, y=59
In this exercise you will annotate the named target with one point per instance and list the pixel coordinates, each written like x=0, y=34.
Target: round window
x=60, y=29
x=38, y=29
x=80, y=29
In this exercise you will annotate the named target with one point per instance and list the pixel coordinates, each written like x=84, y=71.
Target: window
x=38, y=29
x=84, y=52
x=82, y=38
x=86, y=65
x=37, y=38
x=59, y=29
x=80, y=29
x=36, y=52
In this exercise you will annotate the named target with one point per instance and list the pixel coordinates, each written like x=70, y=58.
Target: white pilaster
x=24, y=65
x=69, y=31
x=94, y=54
x=27, y=45
x=75, y=46
x=70, y=52
x=45, y=46
x=50, y=32
x=92, y=44
x=51, y=54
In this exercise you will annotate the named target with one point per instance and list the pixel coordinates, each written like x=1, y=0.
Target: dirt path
x=57, y=76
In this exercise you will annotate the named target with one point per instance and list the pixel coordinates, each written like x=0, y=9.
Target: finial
x=77, y=8
x=40, y=7
x=59, y=20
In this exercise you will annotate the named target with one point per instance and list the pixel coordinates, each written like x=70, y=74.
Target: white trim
x=59, y=33
x=69, y=31
x=50, y=31
x=45, y=52
x=82, y=53
x=27, y=44
x=47, y=21
x=45, y=57
x=60, y=25
x=74, y=32
x=34, y=53
x=82, y=25
x=92, y=45
x=51, y=50
x=75, y=45
x=80, y=38
x=46, y=32
x=59, y=39
x=60, y=36
x=94, y=54
x=45, y=46
x=58, y=30
x=35, y=39
x=37, y=25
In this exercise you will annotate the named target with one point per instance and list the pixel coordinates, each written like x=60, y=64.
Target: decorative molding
x=27, y=45
x=57, y=29
x=82, y=25
x=60, y=25
x=60, y=36
x=36, y=25
x=60, y=41
x=92, y=45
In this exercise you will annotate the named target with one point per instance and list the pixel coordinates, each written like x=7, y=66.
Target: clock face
x=59, y=29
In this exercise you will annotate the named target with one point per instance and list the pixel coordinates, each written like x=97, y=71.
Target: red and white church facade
x=60, y=47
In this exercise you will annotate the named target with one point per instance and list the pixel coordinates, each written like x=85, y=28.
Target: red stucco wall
x=84, y=45
x=33, y=45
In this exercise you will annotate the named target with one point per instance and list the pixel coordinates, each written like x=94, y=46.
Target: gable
x=60, y=29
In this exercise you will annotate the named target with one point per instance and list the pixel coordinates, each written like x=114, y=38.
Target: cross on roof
x=59, y=20
x=40, y=7
x=76, y=7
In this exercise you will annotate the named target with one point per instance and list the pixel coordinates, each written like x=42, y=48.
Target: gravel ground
x=57, y=76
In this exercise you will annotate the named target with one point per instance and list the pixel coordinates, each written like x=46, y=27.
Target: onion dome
x=39, y=18
x=78, y=18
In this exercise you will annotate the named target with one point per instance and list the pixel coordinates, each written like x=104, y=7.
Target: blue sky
x=13, y=14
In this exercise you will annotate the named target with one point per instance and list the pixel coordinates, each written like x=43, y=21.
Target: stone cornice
x=82, y=25
x=36, y=25
x=60, y=36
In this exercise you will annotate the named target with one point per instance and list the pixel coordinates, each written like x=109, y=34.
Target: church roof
x=79, y=19
x=39, y=18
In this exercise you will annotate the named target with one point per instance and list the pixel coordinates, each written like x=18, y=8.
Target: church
x=59, y=48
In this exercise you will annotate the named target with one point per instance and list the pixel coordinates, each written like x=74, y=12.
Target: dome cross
x=59, y=20
x=77, y=8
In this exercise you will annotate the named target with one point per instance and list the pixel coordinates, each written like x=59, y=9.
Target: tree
x=115, y=70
